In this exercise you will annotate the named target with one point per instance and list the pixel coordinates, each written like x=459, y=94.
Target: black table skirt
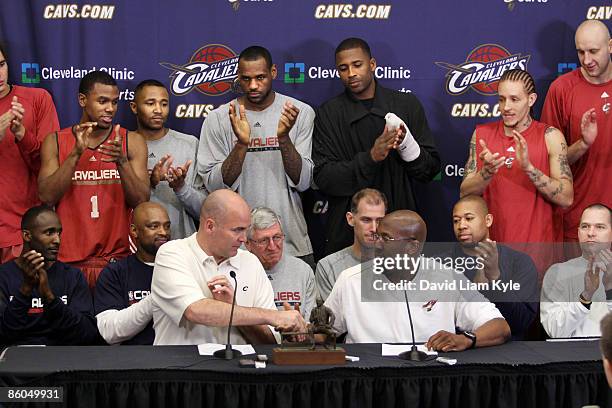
x=519, y=374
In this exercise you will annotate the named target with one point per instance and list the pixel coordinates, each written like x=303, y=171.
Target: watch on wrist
x=470, y=335
x=585, y=303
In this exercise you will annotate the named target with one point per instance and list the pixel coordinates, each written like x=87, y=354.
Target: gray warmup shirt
x=263, y=181
x=293, y=282
x=183, y=207
x=330, y=267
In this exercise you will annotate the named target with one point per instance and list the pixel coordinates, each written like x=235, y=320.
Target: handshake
x=288, y=320
x=291, y=321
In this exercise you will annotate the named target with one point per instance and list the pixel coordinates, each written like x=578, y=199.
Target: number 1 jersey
x=94, y=213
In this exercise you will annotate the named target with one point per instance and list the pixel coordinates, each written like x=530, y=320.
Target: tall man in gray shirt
x=368, y=207
x=171, y=154
x=259, y=145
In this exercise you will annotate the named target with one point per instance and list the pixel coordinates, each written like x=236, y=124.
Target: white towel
x=409, y=149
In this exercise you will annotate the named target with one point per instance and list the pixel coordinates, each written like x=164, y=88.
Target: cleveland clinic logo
x=294, y=72
x=482, y=69
x=211, y=70
x=297, y=72
x=30, y=73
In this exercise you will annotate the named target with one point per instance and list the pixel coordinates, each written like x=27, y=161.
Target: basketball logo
x=211, y=70
x=482, y=69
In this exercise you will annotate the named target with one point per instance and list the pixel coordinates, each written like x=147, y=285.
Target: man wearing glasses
x=445, y=320
x=292, y=279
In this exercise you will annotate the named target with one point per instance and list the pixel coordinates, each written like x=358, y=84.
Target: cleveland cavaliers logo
x=482, y=69
x=211, y=70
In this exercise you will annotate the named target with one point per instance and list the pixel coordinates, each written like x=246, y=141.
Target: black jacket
x=344, y=133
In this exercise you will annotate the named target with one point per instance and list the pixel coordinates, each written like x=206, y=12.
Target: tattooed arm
x=558, y=188
x=232, y=166
x=292, y=161
x=474, y=181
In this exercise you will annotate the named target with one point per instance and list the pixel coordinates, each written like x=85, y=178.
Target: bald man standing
x=382, y=317
x=191, y=287
x=122, y=304
x=579, y=104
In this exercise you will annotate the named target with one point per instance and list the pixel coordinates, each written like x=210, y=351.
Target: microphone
x=414, y=354
x=229, y=353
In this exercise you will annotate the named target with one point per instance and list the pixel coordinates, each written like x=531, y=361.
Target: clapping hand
x=491, y=162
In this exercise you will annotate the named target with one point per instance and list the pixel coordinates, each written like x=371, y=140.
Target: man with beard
x=368, y=207
x=579, y=104
x=171, y=155
x=94, y=174
x=259, y=146
x=291, y=278
x=471, y=223
x=577, y=294
x=370, y=306
x=122, y=301
x=519, y=166
x=27, y=115
x=43, y=300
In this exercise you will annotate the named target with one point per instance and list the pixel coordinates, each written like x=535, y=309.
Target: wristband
x=409, y=149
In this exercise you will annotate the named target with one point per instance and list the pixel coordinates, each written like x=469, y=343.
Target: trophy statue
x=294, y=350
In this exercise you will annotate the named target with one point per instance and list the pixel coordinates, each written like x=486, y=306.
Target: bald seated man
x=499, y=263
x=192, y=289
x=381, y=317
x=579, y=104
x=123, y=307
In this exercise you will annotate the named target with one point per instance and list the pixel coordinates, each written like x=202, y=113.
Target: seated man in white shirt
x=192, y=291
x=123, y=307
x=436, y=316
x=577, y=294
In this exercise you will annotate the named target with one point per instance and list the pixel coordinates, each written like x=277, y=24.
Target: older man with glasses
x=292, y=279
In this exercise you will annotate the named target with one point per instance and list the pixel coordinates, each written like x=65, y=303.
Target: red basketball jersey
x=94, y=213
x=521, y=214
x=568, y=98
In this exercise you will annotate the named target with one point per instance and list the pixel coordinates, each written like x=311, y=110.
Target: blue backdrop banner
x=192, y=47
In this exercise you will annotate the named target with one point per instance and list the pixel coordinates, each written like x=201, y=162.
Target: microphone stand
x=229, y=353
x=414, y=354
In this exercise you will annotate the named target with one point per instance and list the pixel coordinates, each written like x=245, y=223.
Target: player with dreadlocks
x=520, y=168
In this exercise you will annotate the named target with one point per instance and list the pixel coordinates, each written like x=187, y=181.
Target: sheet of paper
x=396, y=349
x=207, y=349
x=563, y=339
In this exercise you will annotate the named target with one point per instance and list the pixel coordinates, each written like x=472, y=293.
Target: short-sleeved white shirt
x=387, y=322
x=181, y=271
